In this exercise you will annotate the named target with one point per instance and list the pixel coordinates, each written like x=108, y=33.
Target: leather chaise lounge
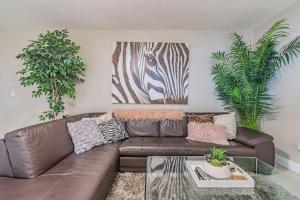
x=38, y=163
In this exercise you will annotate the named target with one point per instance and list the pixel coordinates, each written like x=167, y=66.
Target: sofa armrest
x=252, y=137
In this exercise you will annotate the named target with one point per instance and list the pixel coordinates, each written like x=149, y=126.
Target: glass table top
x=167, y=178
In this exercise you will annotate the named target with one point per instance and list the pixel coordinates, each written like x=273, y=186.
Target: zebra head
x=153, y=81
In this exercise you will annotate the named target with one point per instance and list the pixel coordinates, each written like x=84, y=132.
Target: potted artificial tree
x=52, y=64
x=243, y=75
x=216, y=165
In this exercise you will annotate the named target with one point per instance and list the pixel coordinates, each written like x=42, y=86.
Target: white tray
x=213, y=183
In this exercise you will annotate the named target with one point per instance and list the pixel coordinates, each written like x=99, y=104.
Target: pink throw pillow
x=152, y=114
x=207, y=132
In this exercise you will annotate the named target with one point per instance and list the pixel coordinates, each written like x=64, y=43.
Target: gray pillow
x=173, y=128
x=85, y=135
x=113, y=130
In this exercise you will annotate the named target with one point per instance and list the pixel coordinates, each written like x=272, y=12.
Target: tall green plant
x=51, y=64
x=242, y=76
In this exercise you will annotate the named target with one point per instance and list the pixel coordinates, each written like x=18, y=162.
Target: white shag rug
x=131, y=186
x=128, y=186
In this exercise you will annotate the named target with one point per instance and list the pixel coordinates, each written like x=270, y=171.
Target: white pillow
x=85, y=135
x=227, y=120
x=101, y=119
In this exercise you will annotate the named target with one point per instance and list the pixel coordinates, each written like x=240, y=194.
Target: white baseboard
x=289, y=164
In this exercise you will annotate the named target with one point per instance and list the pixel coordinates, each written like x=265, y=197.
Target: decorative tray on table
x=239, y=179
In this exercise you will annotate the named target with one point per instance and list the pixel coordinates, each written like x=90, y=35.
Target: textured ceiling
x=140, y=14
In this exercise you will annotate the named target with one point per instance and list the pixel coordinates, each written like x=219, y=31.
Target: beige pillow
x=103, y=118
x=227, y=120
x=207, y=132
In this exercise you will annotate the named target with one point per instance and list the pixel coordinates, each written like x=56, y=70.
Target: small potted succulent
x=216, y=165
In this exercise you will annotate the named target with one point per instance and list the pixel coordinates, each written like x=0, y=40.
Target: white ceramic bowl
x=217, y=172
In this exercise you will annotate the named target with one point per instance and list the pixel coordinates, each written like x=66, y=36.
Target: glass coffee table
x=167, y=178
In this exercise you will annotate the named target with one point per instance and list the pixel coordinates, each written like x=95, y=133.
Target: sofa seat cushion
x=87, y=176
x=75, y=187
x=26, y=189
x=177, y=146
x=96, y=161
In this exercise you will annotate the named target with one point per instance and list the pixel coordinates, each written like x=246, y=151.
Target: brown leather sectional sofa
x=38, y=163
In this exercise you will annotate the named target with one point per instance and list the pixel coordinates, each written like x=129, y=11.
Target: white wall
x=96, y=50
x=285, y=128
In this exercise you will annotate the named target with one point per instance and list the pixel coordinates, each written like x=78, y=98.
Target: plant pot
x=217, y=172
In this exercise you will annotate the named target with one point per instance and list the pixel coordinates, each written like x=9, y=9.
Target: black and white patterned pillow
x=85, y=135
x=114, y=130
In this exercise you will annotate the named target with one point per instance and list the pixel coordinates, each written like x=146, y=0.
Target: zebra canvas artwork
x=150, y=73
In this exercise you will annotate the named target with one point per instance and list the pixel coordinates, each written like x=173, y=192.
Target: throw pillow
x=152, y=114
x=102, y=118
x=200, y=118
x=85, y=135
x=113, y=130
x=227, y=120
x=173, y=128
x=207, y=132
x=143, y=128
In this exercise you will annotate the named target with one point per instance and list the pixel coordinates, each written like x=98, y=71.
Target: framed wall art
x=150, y=73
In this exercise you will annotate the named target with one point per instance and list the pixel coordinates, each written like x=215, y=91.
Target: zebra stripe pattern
x=113, y=130
x=166, y=178
x=150, y=72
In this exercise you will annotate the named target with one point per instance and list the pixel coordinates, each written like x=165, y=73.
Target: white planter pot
x=217, y=172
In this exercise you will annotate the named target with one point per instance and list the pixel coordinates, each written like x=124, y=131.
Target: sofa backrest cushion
x=142, y=128
x=5, y=166
x=35, y=149
x=173, y=128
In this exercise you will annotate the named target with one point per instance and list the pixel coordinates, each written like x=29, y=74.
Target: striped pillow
x=113, y=130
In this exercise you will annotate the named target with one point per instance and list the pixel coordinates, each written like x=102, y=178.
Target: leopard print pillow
x=200, y=118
